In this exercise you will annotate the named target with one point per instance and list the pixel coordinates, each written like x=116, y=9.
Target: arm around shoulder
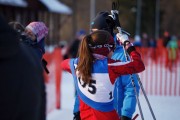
x=65, y=65
x=136, y=65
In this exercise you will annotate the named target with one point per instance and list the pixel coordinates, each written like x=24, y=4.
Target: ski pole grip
x=119, y=30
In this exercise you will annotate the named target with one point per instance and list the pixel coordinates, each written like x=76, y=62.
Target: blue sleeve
x=124, y=95
x=76, y=103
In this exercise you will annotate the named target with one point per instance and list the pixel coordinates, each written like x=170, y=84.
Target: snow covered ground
x=164, y=107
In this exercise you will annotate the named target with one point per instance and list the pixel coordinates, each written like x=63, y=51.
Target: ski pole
x=142, y=88
x=146, y=98
x=114, y=7
x=134, y=87
x=134, y=118
x=144, y=93
x=114, y=17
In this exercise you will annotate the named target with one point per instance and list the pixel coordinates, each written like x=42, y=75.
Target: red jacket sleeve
x=65, y=65
x=117, y=68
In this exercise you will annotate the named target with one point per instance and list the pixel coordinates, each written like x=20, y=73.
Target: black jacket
x=22, y=89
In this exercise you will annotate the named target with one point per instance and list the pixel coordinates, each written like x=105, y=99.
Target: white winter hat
x=39, y=29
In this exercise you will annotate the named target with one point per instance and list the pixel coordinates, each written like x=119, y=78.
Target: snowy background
x=164, y=107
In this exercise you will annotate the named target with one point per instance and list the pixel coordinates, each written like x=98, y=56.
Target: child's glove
x=115, y=16
x=122, y=38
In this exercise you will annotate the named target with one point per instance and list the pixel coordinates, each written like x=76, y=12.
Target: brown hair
x=85, y=52
x=17, y=26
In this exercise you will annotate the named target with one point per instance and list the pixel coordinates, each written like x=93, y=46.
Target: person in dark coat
x=33, y=36
x=75, y=45
x=22, y=89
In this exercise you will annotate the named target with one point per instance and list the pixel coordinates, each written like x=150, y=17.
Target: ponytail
x=99, y=42
x=86, y=59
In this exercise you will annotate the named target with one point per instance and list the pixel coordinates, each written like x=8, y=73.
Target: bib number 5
x=91, y=86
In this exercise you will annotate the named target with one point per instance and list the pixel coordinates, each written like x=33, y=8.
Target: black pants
x=77, y=116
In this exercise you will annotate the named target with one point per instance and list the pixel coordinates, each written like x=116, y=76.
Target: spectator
x=17, y=26
x=172, y=46
x=145, y=40
x=37, y=32
x=22, y=89
x=137, y=41
x=75, y=45
x=29, y=36
x=64, y=49
x=152, y=43
x=166, y=38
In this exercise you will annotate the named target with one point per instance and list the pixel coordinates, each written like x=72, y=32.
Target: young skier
x=95, y=73
x=124, y=95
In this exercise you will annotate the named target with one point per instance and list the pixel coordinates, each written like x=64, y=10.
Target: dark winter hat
x=99, y=22
x=103, y=22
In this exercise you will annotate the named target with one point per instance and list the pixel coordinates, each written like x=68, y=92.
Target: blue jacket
x=124, y=95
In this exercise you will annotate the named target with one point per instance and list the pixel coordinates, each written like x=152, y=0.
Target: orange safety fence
x=53, y=79
x=161, y=76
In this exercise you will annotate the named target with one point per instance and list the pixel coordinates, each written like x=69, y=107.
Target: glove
x=125, y=118
x=122, y=38
x=115, y=17
x=110, y=21
x=111, y=25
